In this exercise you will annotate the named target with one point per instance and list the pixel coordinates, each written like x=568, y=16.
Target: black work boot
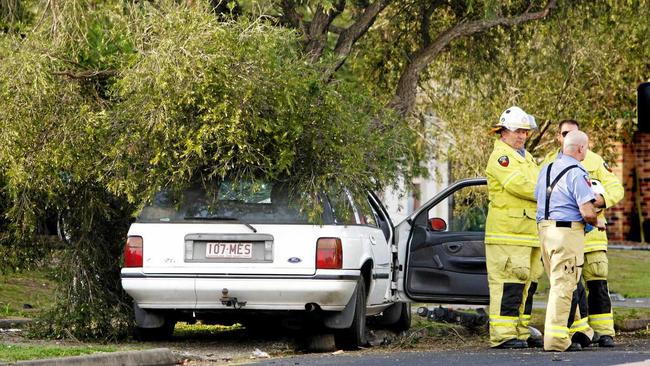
x=575, y=346
x=595, y=338
x=606, y=341
x=535, y=342
x=581, y=339
x=512, y=344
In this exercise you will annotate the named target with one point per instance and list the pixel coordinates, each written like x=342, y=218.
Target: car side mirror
x=437, y=224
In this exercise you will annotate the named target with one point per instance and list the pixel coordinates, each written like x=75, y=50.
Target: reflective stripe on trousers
x=513, y=239
x=557, y=331
x=592, y=247
x=601, y=318
x=579, y=326
x=508, y=321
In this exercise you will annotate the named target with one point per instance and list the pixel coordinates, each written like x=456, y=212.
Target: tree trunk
x=349, y=36
x=404, y=99
x=316, y=36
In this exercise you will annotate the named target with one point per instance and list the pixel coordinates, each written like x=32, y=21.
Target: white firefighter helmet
x=515, y=118
x=597, y=187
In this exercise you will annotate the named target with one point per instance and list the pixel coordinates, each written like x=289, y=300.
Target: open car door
x=441, y=247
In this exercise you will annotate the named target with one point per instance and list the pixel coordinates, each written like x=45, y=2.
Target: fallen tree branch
x=89, y=74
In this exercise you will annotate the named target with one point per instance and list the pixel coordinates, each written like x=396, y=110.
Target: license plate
x=229, y=250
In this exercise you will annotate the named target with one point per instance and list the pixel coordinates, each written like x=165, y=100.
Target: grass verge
x=183, y=329
x=21, y=352
x=628, y=272
x=23, y=294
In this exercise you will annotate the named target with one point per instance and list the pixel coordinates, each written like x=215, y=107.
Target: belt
x=567, y=224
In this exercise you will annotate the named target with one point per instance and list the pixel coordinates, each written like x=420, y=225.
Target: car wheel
x=396, y=317
x=161, y=333
x=403, y=323
x=355, y=336
x=321, y=342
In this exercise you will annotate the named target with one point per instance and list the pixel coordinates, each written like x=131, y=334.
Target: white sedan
x=241, y=252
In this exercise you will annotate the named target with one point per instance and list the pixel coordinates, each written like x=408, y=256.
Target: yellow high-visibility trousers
x=536, y=271
x=562, y=254
x=595, y=271
x=510, y=271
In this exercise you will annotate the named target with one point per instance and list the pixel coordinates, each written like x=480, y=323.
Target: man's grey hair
x=574, y=140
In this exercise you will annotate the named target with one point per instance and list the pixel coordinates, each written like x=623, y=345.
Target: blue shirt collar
x=522, y=152
x=570, y=159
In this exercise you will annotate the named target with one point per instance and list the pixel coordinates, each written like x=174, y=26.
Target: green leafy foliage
x=584, y=63
x=105, y=103
x=16, y=15
x=238, y=98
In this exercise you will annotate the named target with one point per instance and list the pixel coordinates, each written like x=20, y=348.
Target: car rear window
x=248, y=202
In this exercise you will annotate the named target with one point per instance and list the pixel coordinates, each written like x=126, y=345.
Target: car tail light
x=133, y=252
x=329, y=253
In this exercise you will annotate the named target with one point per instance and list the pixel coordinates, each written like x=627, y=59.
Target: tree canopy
x=105, y=103
x=584, y=63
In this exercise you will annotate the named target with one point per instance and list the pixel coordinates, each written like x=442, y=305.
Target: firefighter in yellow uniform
x=512, y=246
x=595, y=268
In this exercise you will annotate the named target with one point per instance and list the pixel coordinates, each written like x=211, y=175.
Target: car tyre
x=321, y=342
x=404, y=322
x=161, y=333
x=355, y=336
x=396, y=318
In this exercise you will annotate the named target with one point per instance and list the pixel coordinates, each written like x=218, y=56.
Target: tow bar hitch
x=231, y=301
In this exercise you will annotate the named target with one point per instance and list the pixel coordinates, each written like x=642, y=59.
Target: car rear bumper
x=330, y=291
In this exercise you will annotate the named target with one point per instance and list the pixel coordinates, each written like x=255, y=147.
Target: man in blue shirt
x=565, y=202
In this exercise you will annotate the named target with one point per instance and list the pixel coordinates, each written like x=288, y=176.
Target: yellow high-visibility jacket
x=511, y=187
x=597, y=168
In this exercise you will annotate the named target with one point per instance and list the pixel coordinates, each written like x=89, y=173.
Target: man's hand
x=588, y=212
x=600, y=201
x=600, y=224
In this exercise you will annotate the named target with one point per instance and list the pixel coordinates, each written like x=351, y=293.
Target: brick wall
x=622, y=215
x=642, y=147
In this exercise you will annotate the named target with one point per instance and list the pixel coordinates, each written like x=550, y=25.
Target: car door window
x=382, y=220
x=342, y=208
x=366, y=215
x=463, y=210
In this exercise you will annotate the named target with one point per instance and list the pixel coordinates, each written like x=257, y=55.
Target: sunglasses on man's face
x=564, y=133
